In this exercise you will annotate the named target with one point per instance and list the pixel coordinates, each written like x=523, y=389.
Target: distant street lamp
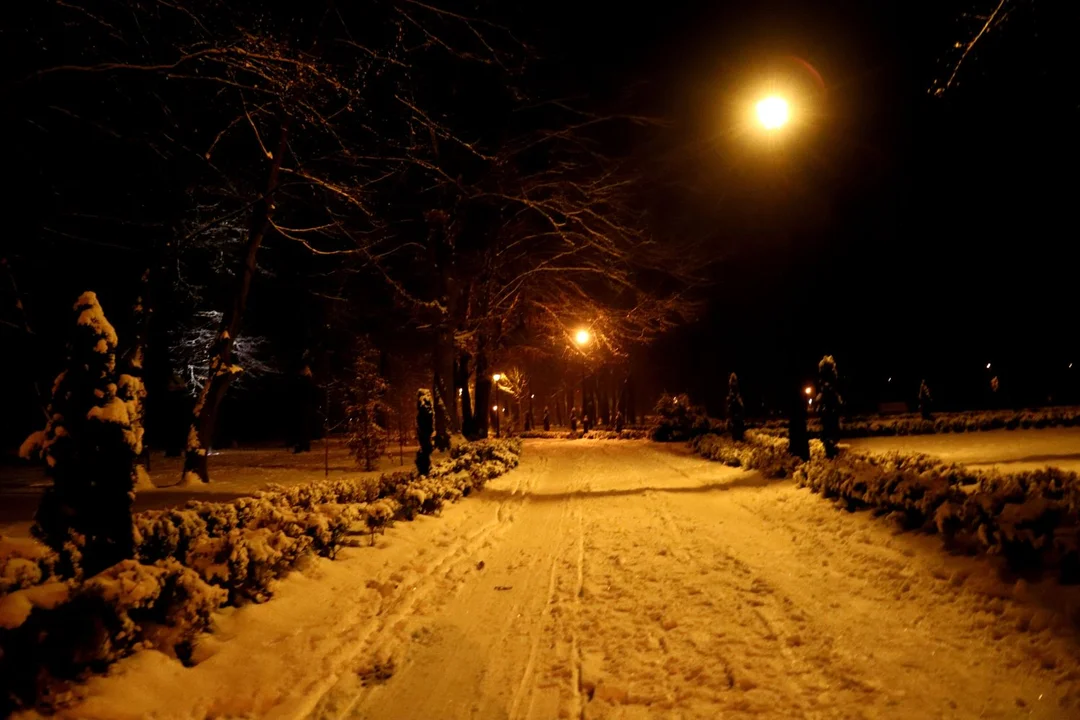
x=496, y=377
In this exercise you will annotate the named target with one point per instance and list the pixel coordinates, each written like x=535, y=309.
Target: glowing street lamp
x=808, y=390
x=773, y=112
x=582, y=338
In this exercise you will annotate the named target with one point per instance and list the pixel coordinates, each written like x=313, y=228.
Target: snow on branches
x=89, y=445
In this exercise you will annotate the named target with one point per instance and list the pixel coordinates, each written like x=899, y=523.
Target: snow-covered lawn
x=233, y=473
x=1008, y=450
x=627, y=580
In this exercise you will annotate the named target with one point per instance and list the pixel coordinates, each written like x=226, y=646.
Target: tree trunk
x=442, y=389
x=222, y=370
x=133, y=365
x=483, y=390
x=468, y=416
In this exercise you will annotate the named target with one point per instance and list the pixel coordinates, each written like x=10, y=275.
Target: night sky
x=909, y=235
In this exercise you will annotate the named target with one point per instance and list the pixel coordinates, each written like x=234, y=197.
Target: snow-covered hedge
x=625, y=434
x=56, y=626
x=56, y=632
x=1031, y=518
x=959, y=422
x=25, y=562
x=243, y=545
x=758, y=451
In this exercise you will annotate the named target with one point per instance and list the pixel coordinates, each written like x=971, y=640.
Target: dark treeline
x=296, y=178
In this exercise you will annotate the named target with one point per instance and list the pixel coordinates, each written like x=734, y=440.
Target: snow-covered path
x=628, y=580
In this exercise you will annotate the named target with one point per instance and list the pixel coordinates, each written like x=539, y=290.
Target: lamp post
x=773, y=114
x=582, y=337
x=496, y=377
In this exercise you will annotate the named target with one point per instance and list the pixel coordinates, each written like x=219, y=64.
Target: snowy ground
x=233, y=473
x=627, y=580
x=1007, y=450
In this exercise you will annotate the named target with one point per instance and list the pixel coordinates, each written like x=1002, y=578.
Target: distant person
x=586, y=424
x=573, y=419
x=547, y=420
x=618, y=421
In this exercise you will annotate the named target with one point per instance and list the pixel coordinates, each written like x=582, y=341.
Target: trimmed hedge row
x=55, y=626
x=1032, y=519
x=758, y=451
x=959, y=422
x=625, y=434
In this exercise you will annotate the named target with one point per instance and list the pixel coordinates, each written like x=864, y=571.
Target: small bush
x=676, y=420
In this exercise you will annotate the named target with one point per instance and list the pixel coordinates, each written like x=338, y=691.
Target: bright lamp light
x=582, y=337
x=773, y=112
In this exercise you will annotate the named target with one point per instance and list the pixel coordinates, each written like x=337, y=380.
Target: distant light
x=810, y=401
x=808, y=390
x=890, y=379
x=987, y=366
x=496, y=377
x=582, y=337
x=532, y=396
x=773, y=112
x=459, y=391
x=495, y=408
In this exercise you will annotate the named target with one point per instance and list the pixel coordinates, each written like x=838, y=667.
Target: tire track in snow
x=527, y=685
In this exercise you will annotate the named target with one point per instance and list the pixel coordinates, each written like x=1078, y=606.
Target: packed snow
x=626, y=580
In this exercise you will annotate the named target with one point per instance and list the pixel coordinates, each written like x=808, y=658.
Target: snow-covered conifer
x=425, y=427
x=828, y=404
x=89, y=447
x=367, y=440
x=925, y=401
